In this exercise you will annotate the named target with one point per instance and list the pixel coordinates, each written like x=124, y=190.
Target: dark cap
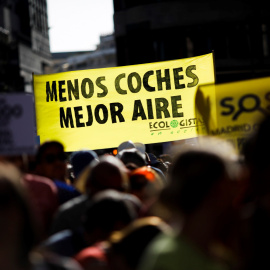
x=80, y=159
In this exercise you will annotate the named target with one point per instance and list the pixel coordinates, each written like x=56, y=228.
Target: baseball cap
x=80, y=159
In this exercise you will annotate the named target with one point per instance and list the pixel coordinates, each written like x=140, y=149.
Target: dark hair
x=43, y=147
x=191, y=177
x=108, y=208
x=13, y=195
x=108, y=173
x=131, y=242
x=80, y=159
x=166, y=158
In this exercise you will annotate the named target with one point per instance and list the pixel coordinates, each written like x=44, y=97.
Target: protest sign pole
x=33, y=81
x=35, y=116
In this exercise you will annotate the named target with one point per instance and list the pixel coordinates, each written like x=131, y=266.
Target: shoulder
x=36, y=180
x=76, y=202
x=161, y=254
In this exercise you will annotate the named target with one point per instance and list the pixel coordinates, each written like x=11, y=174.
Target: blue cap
x=80, y=159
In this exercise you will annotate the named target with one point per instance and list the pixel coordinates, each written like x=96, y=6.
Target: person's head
x=165, y=158
x=127, y=246
x=108, y=173
x=199, y=174
x=145, y=183
x=132, y=156
x=141, y=147
x=80, y=159
x=157, y=163
x=19, y=161
x=51, y=161
x=125, y=145
x=109, y=210
x=17, y=228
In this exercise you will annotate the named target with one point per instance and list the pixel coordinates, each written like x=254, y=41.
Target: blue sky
x=75, y=25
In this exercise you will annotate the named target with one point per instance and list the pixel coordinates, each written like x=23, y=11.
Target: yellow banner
x=233, y=110
x=100, y=108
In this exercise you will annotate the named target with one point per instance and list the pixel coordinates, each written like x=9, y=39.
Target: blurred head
x=165, y=158
x=80, y=159
x=19, y=161
x=125, y=145
x=17, y=229
x=108, y=173
x=132, y=156
x=51, y=161
x=145, y=183
x=157, y=163
x=140, y=146
x=127, y=245
x=199, y=170
x=109, y=210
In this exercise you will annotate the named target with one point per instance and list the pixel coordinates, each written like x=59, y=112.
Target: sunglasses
x=51, y=158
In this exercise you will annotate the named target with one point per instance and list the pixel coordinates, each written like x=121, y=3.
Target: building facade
x=158, y=30
x=24, y=43
x=103, y=56
x=237, y=31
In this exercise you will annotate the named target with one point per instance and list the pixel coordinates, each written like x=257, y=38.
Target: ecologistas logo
x=175, y=126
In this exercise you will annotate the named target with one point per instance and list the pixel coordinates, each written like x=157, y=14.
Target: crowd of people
x=202, y=206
